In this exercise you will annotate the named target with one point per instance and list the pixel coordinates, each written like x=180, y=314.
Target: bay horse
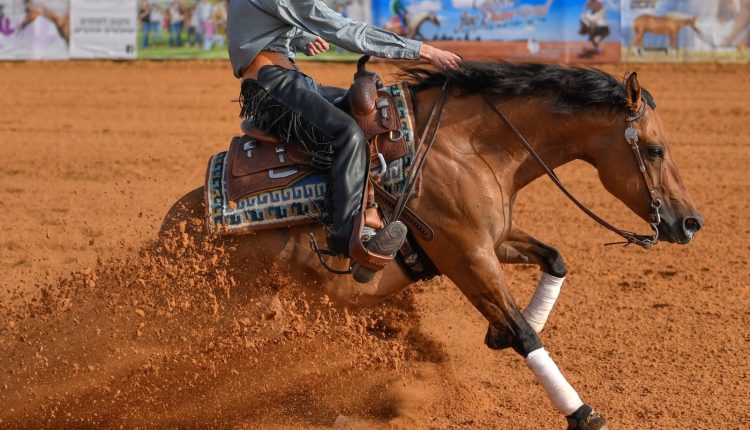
x=470, y=183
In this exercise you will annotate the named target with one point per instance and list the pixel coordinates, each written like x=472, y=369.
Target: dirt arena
x=101, y=331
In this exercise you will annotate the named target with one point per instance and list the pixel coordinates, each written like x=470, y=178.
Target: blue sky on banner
x=504, y=20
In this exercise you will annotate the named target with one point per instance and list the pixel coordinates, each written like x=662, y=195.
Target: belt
x=267, y=58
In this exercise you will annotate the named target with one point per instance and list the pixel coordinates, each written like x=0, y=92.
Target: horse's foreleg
x=479, y=276
x=522, y=248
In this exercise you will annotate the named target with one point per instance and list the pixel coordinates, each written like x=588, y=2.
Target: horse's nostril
x=691, y=224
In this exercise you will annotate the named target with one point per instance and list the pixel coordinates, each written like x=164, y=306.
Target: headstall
x=631, y=136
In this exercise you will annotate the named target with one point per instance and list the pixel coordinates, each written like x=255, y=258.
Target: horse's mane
x=570, y=89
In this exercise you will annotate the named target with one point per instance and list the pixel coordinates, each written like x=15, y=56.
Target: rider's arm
x=315, y=17
x=301, y=40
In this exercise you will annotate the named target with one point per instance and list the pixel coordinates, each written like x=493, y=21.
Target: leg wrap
x=545, y=296
x=560, y=392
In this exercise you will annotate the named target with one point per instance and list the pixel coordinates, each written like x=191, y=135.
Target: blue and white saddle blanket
x=303, y=201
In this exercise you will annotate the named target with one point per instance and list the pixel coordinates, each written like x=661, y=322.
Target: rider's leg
x=335, y=138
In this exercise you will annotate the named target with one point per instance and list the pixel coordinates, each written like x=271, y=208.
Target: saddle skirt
x=264, y=183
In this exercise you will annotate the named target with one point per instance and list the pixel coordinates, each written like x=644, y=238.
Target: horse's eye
x=656, y=152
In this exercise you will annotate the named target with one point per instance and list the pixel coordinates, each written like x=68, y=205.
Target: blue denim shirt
x=290, y=25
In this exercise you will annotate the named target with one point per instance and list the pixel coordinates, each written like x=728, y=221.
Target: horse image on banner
x=671, y=30
x=38, y=30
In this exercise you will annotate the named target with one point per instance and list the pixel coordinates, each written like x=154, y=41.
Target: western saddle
x=259, y=162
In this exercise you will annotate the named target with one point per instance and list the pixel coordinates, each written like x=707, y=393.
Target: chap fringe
x=272, y=117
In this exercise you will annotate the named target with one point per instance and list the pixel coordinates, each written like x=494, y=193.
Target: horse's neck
x=472, y=127
x=557, y=139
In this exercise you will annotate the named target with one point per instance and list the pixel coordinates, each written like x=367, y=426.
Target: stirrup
x=320, y=252
x=380, y=250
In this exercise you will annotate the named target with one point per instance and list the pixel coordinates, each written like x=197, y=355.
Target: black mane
x=570, y=89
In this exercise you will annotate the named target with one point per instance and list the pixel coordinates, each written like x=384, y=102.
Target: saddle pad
x=395, y=176
x=296, y=203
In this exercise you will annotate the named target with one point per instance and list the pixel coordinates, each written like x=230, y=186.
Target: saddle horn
x=362, y=64
x=364, y=90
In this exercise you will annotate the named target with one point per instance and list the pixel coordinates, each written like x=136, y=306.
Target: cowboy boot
x=386, y=242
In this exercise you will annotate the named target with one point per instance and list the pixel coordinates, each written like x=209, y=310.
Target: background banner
x=182, y=29
x=598, y=31
x=103, y=29
x=685, y=30
x=557, y=30
x=34, y=29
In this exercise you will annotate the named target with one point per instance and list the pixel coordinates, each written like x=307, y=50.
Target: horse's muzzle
x=690, y=226
x=680, y=230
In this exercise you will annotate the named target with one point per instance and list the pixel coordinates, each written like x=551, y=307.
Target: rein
x=437, y=109
x=631, y=136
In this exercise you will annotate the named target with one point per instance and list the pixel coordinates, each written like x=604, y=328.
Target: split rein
x=631, y=136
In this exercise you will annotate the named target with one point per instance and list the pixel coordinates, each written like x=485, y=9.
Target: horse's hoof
x=586, y=418
x=498, y=339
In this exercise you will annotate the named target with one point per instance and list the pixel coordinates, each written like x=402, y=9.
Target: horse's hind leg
x=189, y=208
x=479, y=275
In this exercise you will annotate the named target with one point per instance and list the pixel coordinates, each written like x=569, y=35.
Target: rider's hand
x=317, y=46
x=442, y=60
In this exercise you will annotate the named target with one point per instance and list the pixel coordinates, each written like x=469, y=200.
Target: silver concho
x=631, y=134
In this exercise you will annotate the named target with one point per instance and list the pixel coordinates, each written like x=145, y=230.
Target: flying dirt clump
x=169, y=338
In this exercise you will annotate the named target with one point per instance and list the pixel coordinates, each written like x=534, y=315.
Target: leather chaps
x=289, y=104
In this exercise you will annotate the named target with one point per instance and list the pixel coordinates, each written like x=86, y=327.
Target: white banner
x=103, y=29
x=37, y=30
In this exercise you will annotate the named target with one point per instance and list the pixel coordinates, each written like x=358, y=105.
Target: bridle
x=654, y=218
x=631, y=136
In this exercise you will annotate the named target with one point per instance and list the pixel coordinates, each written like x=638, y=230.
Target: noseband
x=631, y=136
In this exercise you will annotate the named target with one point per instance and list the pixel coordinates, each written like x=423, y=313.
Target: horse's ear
x=633, y=92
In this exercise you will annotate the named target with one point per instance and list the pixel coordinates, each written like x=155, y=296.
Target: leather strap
x=357, y=250
x=388, y=202
x=420, y=158
x=645, y=241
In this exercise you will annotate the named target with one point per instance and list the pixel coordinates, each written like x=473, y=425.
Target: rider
x=263, y=36
x=399, y=10
x=594, y=22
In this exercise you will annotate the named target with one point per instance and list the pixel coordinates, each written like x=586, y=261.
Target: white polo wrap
x=560, y=392
x=545, y=296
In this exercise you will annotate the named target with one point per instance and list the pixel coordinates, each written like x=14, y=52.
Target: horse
x=467, y=22
x=470, y=182
x=413, y=25
x=61, y=22
x=668, y=25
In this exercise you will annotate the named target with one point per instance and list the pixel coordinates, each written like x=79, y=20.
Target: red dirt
x=101, y=329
